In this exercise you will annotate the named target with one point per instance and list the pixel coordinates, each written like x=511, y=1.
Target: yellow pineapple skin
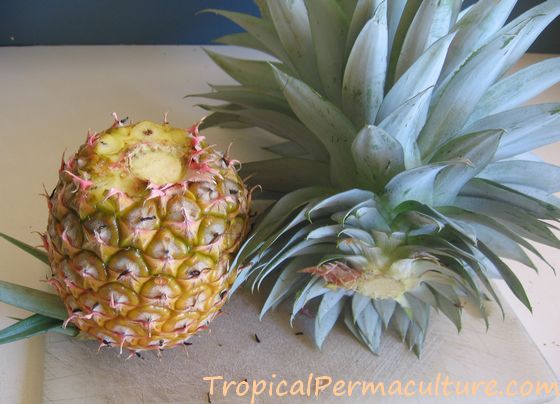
x=142, y=226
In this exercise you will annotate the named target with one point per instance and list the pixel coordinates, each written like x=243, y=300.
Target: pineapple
x=143, y=223
x=405, y=176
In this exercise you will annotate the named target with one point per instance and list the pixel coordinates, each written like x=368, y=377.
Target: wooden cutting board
x=76, y=373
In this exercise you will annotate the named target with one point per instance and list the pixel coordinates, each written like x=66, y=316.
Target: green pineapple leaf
x=33, y=300
x=39, y=254
x=34, y=325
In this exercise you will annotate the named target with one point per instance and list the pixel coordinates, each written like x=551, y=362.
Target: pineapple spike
x=165, y=118
x=427, y=185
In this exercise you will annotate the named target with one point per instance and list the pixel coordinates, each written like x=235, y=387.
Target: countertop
x=49, y=98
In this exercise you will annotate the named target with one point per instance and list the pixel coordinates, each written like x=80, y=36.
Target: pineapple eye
x=108, y=145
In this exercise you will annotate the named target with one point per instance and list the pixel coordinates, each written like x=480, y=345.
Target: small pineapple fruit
x=406, y=160
x=143, y=223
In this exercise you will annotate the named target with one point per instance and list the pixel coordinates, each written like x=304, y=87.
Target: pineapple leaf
x=292, y=26
x=507, y=275
x=536, y=174
x=247, y=97
x=315, y=287
x=39, y=254
x=252, y=73
x=289, y=279
x=406, y=18
x=538, y=18
x=385, y=308
x=378, y=156
x=433, y=21
x=363, y=12
x=527, y=128
x=33, y=300
x=325, y=120
x=364, y=75
x=493, y=191
x=369, y=325
x=329, y=28
x=284, y=175
x=421, y=76
x=478, y=148
x=34, y=325
x=340, y=201
x=262, y=30
x=242, y=39
x=287, y=149
x=405, y=123
x=329, y=310
x=395, y=10
x=524, y=224
x=474, y=29
x=416, y=184
x=518, y=88
x=359, y=303
x=457, y=98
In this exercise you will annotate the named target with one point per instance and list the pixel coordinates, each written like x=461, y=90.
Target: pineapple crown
x=397, y=118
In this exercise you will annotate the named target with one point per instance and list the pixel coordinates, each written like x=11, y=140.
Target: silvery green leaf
x=538, y=18
x=416, y=184
x=347, y=7
x=325, y=120
x=253, y=73
x=474, y=29
x=359, y=303
x=369, y=326
x=292, y=26
x=464, y=12
x=260, y=29
x=433, y=21
x=378, y=156
x=385, y=308
x=326, y=321
x=405, y=123
x=449, y=308
x=518, y=88
x=35, y=252
x=33, y=300
x=478, y=148
x=329, y=28
x=350, y=323
x=286, y=174
x=287, y=149
x=359, y=234
x=458, y=97
x=285, y=126
x=496, y=226
x=330, y=300
x=325, y=231
x=515, y=218
x=420, y=311
x=263, y=9
x=364, y=75
x=287, y=282
x=243, y=39
x=341, y=201
x=30, y=327
x=315, y=287
x=247, y=97
x=527, y=128
x=535, y=174
x=363, y=12
x=422, y=75
x=367, y=216
x=415, y=339
x=400, y=322
x=493, y=191
x=507, y=275
x=405, y=21
x=395, y=9
x=281, y=211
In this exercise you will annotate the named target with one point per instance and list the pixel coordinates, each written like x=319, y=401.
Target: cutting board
x=240, y=347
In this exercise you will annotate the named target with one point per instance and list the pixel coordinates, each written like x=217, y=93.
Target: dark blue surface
x=88, y=22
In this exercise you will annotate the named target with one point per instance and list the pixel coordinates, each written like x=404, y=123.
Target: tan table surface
x=50, y=96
